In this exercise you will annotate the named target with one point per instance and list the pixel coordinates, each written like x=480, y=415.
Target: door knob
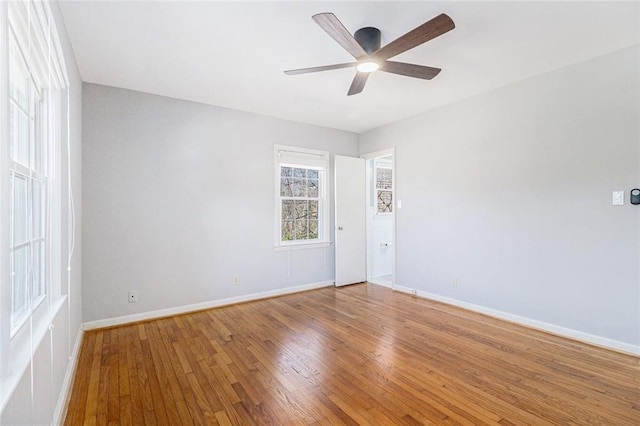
x=340, y=228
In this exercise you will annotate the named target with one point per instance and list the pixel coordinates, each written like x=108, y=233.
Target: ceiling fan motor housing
x=368, y=38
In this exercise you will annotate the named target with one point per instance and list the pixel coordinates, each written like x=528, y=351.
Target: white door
x=350, y=220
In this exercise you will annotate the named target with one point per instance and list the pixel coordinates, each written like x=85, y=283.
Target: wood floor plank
x=91, y=409
x=163, y=378
x=177, y=376
x=113, y=390
x=133, y=400
x=124, y=393
x=360, y=354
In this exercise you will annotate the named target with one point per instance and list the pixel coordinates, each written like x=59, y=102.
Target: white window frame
x=289, y=156
x=31, y=24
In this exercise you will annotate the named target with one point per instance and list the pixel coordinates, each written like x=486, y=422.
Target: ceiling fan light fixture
x=367, y=66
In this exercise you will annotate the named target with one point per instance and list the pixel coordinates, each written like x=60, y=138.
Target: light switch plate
x=617, y=198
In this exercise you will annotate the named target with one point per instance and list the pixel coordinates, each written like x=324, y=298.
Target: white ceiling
x=233, y=54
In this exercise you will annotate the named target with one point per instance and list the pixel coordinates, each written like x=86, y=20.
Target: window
x=32, y=78
x=300, y=191
x=384, y=185
x=28, y=180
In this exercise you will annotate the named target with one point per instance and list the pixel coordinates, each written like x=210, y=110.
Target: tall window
x=384, y=186
x=28, y=179
x=300, y=189
x=32, y=82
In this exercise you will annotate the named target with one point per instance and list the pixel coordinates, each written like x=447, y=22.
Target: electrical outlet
x=133, y=296
x=236, y=280
x=414, y=292
x=454, y=282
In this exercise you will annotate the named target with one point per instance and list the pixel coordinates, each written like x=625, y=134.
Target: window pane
x=313, y=210
x=301, y=210
x=313, y=229
x=299, y=187
x=302, y=229
x=19, y=284
x=300, y=173
x=313, y=187
x=287, y=210
x=384, y=201
x=19, y=130
x=19, y=93
x=287, y=230
x=312, y=174
x=285, y=187
x=286, y=171
x=18, y=77
x=37, y=207
x=38, y=269
x=13, y=125
x=38, y=139
x=20, y=220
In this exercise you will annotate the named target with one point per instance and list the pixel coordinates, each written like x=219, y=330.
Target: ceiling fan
x=364, y=46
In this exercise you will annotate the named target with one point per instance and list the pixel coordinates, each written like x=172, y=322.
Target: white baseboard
x=540, y=325
x=65, y=392
x=144, y=316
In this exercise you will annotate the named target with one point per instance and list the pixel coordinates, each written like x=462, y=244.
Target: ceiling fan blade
x=358, y=83
x=410, y=70
x=322, y=68
x=339, y=33
x=425, y=32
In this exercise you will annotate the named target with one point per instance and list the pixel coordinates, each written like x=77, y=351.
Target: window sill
x=16, y=329
x=302, y=246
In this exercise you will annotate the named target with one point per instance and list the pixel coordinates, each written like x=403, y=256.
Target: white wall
x=48, y=376
x=179, y=199
x=509, y=193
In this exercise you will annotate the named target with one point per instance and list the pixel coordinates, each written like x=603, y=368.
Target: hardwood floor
x=361, y=354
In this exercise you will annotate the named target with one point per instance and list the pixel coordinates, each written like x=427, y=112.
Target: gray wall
x=510, y=194
x=179, y=199
x=46, y=376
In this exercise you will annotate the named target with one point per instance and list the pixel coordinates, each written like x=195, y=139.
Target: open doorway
x=380, y=178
